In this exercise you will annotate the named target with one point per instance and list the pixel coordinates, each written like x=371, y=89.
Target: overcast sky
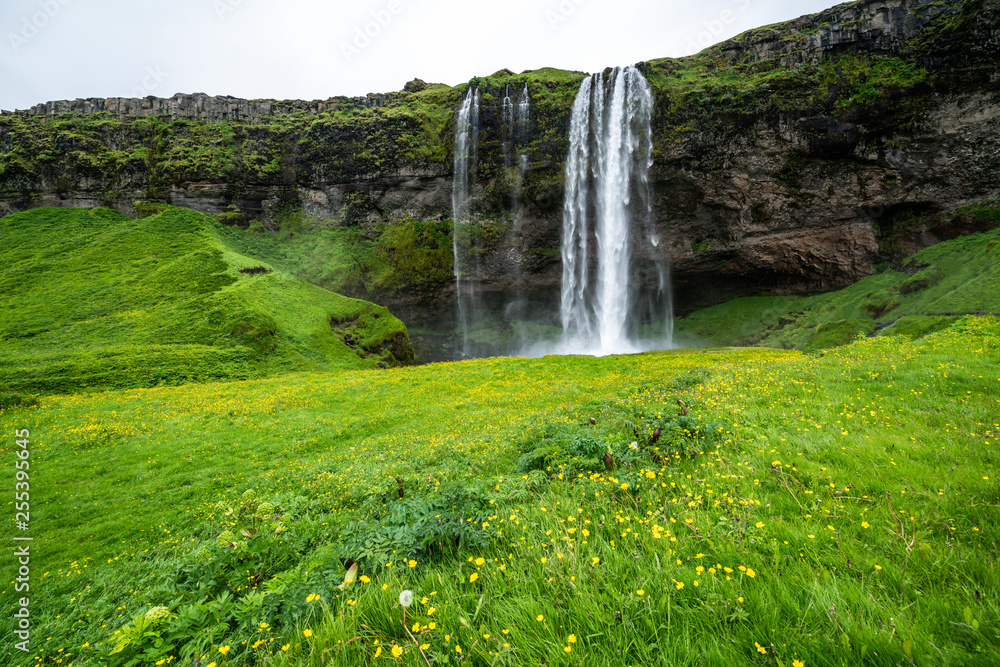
x=308, y=49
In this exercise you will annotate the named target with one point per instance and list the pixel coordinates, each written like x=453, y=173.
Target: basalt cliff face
x=798, y=156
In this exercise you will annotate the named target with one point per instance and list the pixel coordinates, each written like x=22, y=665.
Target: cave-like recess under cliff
x=800, y=156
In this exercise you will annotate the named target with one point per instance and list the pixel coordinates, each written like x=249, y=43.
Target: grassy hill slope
x=807, y=509
x=926, y=294
x=93, y=299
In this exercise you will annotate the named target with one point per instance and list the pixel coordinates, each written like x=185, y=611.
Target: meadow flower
x=480, y=562
x=406, y=598
x=473, y=577
x=540, y=618
x=307, y=632
x=224, y=650
x=396, y=651
x=798, y=663
x=378, y=651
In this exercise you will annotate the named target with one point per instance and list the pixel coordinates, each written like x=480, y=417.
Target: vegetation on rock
x=923, y=294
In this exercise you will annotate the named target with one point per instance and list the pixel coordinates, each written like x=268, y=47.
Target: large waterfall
x=466, y=156
x=607, y=193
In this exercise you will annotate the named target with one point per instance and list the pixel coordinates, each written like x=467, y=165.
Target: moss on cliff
x=717, y=93
x=953, y=278
x=408, y=256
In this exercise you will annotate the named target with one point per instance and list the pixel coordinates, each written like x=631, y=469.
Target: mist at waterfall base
x=610, y=301
x=608, y=210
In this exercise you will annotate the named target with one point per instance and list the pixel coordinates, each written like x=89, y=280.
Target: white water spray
x=466, y=150
x=608, y=164
x=523, y=111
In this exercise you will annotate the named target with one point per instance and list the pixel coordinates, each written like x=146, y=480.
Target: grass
x=930, y=289
x=817, y=509
x=95, y=300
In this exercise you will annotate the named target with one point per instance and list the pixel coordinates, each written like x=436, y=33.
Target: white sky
x=295, y=49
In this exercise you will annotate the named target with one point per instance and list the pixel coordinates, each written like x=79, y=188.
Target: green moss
x=413, y=254
x=954, y=278
x=145, y=209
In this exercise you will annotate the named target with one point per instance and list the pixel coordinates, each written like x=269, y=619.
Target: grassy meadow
x=91, y=300
x=835, y=508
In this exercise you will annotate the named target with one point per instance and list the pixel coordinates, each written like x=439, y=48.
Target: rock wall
x=209, y=108
x=797, y=156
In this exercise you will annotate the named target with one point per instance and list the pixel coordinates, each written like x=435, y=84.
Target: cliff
x=792, y=157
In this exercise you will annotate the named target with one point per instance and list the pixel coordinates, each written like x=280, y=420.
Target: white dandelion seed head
x=406, y=598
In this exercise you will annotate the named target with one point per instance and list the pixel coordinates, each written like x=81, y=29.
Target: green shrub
x=424, y=528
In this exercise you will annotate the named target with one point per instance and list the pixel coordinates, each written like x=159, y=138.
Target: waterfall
x=466, y=150
x=523, y=111
x=507, y=119
x=607, y=178
x=508, y=108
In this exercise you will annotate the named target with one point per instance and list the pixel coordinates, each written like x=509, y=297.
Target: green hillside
x=92, y=299
x=925, y=294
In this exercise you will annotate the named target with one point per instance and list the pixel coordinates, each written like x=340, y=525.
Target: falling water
x=508, y=108
x=607, y=166
x=466, y=149
x=507, y=117
x=662, y=302
x=523, y=111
